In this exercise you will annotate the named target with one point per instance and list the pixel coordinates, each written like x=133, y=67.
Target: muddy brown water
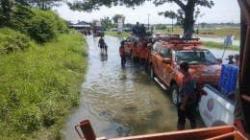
x=120, y=102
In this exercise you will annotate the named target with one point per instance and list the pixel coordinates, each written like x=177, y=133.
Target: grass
x=176, y=30
x=209, y=32
x=216, y=45
x=116, y=34
x=39, y=86
x=220, y=32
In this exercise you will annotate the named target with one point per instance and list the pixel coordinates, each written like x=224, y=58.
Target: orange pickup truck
x=137, y=49
x=166, y=56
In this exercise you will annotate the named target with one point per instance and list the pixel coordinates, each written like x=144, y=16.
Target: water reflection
x=104, y=57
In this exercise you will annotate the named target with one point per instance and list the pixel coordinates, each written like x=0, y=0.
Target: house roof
x=81, y=24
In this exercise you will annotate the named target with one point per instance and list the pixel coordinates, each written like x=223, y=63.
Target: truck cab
x=166, y=56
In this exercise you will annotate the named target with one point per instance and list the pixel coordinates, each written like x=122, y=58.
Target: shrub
x=21, y=18
x=11, y=41
x=42, y=26
x=45, y=25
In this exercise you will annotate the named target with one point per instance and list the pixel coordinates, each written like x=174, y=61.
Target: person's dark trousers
x=188, y=113
x=123, y=61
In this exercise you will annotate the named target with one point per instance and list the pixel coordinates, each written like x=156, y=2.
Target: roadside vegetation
x=116, y=34
x=220, y=32
x=204, y=32
x=216, y=45
x=41, y=68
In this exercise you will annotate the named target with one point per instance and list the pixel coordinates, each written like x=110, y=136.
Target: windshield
x=196, y=57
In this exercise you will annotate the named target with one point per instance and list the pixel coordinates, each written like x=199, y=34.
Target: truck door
x=155, y=57
x=166, y=66
x=163, y=53
x=158, y=61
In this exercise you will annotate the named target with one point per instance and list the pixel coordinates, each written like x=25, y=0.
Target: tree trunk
x=188, y=23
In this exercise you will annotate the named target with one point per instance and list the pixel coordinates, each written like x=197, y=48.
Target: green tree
x=180, y=17
x=9, y=8
x=106, y=23
x=187, y=8
x=117, y=17
x=6, y=7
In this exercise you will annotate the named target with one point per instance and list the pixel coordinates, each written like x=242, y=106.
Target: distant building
x=82, y=26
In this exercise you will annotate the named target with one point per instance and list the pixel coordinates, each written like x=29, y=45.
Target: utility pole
x=148, y=20
x=172, y=23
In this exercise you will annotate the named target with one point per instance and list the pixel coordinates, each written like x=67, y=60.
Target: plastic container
x=228, y=79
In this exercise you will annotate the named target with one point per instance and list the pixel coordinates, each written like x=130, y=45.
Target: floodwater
x=120, y=102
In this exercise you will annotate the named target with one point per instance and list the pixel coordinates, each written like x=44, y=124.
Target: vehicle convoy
x=137, y=48
x=166, y=56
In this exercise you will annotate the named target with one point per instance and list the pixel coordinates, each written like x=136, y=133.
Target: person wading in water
x=122, y=54
x=188, y=101
x=102, y=44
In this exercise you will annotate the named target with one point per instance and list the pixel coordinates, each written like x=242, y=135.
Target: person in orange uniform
x=188, y=99
x=122, y=54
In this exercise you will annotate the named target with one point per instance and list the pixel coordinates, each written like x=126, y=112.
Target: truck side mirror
x=167, y=60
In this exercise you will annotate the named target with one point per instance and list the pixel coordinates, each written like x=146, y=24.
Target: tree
x=6, y=7
x=9, y=7
x=117, y=17
x=106, y=23
x=187, y=8
x=180, y=17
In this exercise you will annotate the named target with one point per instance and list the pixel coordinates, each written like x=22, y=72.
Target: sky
x=222, y=12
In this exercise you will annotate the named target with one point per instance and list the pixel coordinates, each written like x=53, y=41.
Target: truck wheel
x=152, y=74
x=174, y=94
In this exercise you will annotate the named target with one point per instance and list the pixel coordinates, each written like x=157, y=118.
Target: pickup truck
x=166, y=56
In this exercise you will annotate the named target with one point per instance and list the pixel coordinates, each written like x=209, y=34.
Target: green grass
x=176, y=30
x=116, y=34
x=39, y=86
x=220, y=32
x=216, y=45
x=208, y=32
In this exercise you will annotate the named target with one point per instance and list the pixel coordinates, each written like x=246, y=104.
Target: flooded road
x=120, y=102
